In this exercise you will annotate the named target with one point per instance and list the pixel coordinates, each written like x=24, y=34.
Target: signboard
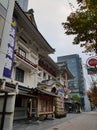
x=60, y=92
x=10, y=50
x=92, y=65
x=92, y=70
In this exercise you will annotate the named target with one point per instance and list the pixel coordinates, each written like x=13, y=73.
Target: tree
x=76, y=98
x=83, y=24
x=92, y=93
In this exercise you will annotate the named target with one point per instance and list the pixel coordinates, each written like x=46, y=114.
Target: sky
x=49, y=16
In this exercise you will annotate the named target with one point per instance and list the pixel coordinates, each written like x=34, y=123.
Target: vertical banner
x=10, y=50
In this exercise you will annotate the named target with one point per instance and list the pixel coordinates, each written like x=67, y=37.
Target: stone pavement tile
x=88, y=121
x=26, y=125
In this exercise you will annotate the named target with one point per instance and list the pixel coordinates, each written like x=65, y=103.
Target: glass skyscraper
x=76, y=85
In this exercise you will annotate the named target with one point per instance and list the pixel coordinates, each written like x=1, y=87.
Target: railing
x=25, y=59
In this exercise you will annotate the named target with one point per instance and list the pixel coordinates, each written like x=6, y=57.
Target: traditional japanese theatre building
x=27, y=68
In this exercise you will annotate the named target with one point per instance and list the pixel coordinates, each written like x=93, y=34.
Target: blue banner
x=10, y=50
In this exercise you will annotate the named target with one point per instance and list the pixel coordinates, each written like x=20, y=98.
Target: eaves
x=29, y=27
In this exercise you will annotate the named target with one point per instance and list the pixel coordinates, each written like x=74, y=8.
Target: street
x=83, y=121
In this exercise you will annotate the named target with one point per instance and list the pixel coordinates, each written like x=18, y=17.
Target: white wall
x=41, y=71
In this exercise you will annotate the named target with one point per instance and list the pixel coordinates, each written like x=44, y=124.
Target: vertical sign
x=10, y=50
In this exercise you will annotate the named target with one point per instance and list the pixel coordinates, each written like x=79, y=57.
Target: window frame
x=19, y=75
x=22, y=52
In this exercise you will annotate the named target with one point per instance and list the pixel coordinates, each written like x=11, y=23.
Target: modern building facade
x=74, y=64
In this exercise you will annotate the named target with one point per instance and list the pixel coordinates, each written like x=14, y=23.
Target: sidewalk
x=41, y=125
x=83, y=121
x=88, y=121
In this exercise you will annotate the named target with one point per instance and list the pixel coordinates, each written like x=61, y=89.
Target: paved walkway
x=83, y=121
x=88, y=121
x=41, y=125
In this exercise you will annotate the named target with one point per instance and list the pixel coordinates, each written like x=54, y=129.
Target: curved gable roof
x=32, y=30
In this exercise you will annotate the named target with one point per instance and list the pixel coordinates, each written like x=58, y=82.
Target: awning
x=23, y=90
x=45, y=92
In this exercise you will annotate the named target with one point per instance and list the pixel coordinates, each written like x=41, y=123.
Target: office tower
x=74, y=64
x=23, y=4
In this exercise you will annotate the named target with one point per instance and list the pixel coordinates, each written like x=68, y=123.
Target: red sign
x=92, y=65
x=92, y=61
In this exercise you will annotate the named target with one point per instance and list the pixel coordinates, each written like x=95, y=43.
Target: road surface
x=83, y=121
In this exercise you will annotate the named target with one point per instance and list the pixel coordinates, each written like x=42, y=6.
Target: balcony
x=25, y=60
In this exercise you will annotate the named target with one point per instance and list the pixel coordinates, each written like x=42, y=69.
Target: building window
x=19, y=75
x=22, y=52
x=49, y=77
x=44, y=75
x=39, y=73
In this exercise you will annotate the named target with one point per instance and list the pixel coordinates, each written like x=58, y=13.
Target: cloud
x=49, y=14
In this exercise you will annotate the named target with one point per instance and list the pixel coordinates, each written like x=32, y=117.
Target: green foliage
x=83, y=24
x=92, y=93
x=76, y=98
